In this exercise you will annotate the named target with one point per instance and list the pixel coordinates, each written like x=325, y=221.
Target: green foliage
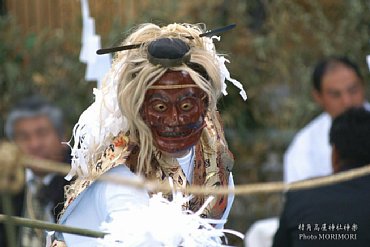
x=44, y=64
x=276, y=61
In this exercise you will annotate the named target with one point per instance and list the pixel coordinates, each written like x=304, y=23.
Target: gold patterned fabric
x=212, y=165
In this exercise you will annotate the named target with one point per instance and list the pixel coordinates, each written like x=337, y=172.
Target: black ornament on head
x=168, y=52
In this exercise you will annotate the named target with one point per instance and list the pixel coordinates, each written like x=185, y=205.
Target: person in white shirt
x=168, y=82
x=338, y=85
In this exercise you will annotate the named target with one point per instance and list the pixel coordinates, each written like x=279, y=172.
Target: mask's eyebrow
x=157, y=96
x=188, y=95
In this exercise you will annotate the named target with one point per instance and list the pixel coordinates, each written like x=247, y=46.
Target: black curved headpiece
x=168, y=52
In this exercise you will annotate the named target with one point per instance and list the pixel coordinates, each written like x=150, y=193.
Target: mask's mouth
x=183, y=131
x=175, y=134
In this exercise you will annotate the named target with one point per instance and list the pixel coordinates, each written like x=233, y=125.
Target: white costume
x=309, y=154
x=106, y=202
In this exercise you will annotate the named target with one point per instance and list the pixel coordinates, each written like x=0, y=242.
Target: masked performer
x=156, y=117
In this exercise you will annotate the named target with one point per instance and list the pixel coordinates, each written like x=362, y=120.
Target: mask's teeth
x=173, y=134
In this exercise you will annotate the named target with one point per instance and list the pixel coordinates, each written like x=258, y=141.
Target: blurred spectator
x=36, y=127
x=338, y=85
x=337, y=214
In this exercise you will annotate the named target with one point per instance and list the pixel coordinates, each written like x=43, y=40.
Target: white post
x=97, y=65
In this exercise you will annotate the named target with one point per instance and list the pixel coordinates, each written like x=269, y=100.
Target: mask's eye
x=186, y=106
x=160, y=107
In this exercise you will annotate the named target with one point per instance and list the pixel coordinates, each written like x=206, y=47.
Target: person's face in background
x=341, y=89
x=36, y=136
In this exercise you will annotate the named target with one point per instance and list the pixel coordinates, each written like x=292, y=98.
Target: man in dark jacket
x=338, y=214
x=36, y=127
